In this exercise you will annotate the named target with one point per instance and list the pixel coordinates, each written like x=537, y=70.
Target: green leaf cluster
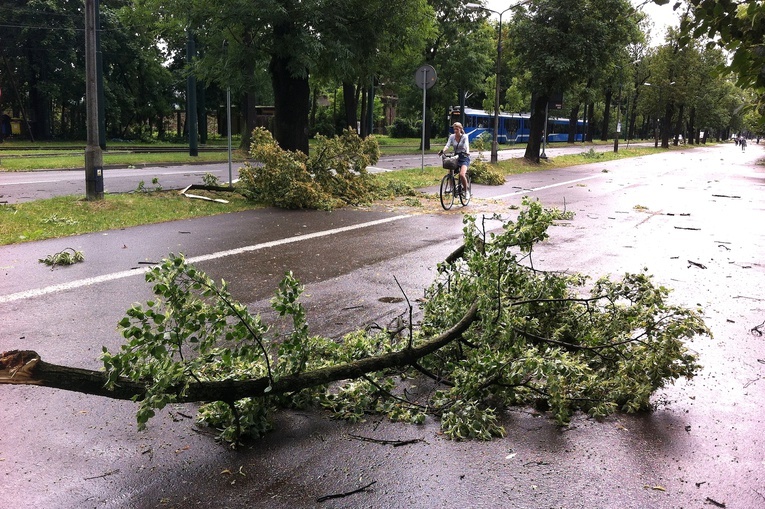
x=334, y=175
x=735, y=26
x=556, y=341
x=68, y=256
x=192, y=331
x=483, y=173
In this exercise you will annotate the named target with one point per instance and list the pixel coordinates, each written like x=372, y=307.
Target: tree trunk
x=590, y=122
x=573, y=124
x=350, y=103
x=665, y=124
x=632, y=121
x=40, y=121
x=26, y=368
x=679, y=125
x=606, y=116
x=314, y=107
x=291, y=105
x=364, y=132
x=202, y=112
x=536, y=127
x=692, y=131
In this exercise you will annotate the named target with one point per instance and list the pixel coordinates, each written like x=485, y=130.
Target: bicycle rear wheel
x=465, y=197
x=447, y=191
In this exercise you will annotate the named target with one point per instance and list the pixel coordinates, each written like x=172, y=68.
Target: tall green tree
x=139, y=88
x=462, y=49
x=563, y=42
x=41, y=44
x=371, y=42
x=43, y=68
x=293, y=40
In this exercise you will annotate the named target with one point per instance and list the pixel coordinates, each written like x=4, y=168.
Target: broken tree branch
x=27, y=368
x=394, y=443
x=341, y=495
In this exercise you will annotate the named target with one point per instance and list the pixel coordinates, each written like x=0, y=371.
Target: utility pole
x=100, y=81
x=618, y=125
x=94, y=162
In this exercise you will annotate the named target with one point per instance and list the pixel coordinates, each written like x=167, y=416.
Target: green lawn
x=72, y=215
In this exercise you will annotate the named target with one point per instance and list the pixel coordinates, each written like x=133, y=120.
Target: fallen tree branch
x=27, y=368
x=341, y=495
x=394, y=443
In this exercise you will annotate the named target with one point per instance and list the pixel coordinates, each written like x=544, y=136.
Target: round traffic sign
x=425, y=77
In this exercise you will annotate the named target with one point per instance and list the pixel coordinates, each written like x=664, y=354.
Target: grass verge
x=72, y=215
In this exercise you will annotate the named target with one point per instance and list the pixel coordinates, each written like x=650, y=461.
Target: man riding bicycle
x=459, y=141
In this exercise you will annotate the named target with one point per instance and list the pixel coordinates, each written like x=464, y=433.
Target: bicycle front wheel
x=447, y=191
x=467, y=194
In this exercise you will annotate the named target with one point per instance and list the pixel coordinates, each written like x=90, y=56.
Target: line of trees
x=328, y=64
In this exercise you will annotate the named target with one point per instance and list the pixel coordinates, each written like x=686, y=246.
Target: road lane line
x=28, y=294
x=526, y=191
x=33, y=182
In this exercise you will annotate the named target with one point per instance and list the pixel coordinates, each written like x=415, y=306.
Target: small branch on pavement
x=715, y=502
x=111, y=472
x=341, y=495
x=394, y=443
x=750, y=382
x=696, y=264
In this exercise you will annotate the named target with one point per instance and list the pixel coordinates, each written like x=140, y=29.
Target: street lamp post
x=499, y=61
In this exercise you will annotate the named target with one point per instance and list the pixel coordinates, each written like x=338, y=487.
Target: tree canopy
x=289, y=54
x=735, y=26
x=561, y=43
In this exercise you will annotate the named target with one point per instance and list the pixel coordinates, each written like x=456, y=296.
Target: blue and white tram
x=513, y=127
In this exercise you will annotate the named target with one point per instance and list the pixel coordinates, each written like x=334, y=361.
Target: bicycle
x=451, y=187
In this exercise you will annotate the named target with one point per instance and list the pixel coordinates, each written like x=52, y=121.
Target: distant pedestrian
x=742, y=142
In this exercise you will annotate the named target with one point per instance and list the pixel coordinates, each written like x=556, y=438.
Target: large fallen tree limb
x=528, y=337
x=27, y=368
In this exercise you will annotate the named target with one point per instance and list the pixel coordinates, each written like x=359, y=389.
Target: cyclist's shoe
x=467, y=195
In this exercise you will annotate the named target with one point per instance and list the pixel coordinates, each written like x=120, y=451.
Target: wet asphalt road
x=702, y=447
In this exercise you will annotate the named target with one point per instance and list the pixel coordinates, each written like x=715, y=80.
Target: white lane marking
x=30, y=182
x=28, y=294
x=526, y=191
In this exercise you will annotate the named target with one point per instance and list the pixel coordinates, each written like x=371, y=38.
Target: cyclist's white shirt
x=459, y=146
